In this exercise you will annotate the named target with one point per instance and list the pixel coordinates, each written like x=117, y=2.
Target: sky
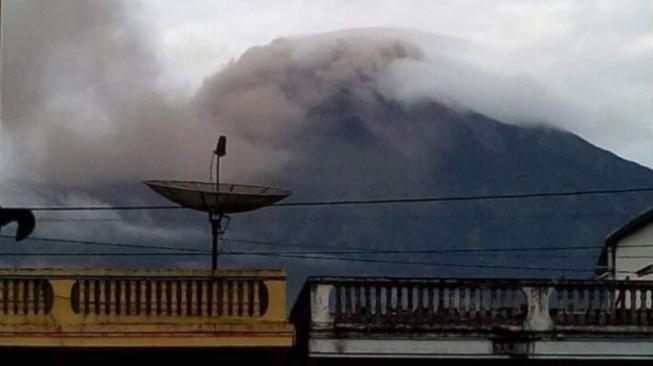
x=99, y=95
x=110, y=70
x=595, y=55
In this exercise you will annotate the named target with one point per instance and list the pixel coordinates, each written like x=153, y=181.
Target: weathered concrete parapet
x=475, y=318
x=141, y=308
x=538, y=317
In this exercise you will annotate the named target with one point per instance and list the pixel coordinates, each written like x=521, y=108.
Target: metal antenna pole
x=215, y=232
x=215, y=217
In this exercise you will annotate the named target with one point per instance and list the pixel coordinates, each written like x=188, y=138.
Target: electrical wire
x=413, y=263
x=367, y=201
x=107, y=244
x=323, y=249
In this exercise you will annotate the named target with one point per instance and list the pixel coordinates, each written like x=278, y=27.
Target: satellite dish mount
x=216, y=198
x=216, y=217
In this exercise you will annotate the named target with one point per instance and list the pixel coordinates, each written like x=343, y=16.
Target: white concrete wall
x=638, y=244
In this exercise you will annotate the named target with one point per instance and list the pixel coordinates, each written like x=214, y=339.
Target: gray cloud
x=83, y=99
x=264, y=97
x=88, y=102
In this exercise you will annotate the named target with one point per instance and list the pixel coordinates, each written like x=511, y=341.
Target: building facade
x=628, y=251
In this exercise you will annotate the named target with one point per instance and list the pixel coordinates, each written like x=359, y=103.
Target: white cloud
x=594, y=55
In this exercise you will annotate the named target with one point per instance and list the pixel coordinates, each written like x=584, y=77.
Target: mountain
x=364, y=114
x=350, y=117
x=381, y=149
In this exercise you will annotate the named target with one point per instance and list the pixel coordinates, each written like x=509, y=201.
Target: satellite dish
x=205, y=196
x=221, y=149
x=218, y=199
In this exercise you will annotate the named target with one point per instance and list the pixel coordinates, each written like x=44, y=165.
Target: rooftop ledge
x=143, y=308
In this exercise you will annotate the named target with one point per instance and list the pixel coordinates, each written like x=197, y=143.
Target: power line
x=368, y=201
x=100, y=254
x=345, y=259
x=323, y=249
x=362, y=250
x=464, y=198
x=418, y=263
x=107, y=244
x=378, y=218
x=428, y=251
x=80, y=220
x=296, y=255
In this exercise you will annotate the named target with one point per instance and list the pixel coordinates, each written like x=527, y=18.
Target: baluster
x=623, y=305
x=84, y=294
x=569, y=314
x=504, y=300
x=219, y=297
x=257, y=300
x=167, y=299
x=176, y=298
x=581, y=311
x=128, y=297
x=89, y=297
x=604, y=305
x=247, y=300
x=188, y=293
x=423, y=302
x=230, y=297
x=633, y=306
x=13, y=308
x=202, y=303
x=346, y=302
x=437, y=303
x=352, y=302
x=649, y=305
x=158, y=295
x=225, y=297
x=428, y=304
x=613, y=295
x=3, y=295
x=450, y=304
x=36, y=297
x=239, y=294
x=108, y=298
x=136, y=297
x=386, y=303
x=377, y=303
x=25, y=294
x=494, y=300
x=138, y=293
x=482, y=305
x=641, y=308
x=338, y=306
x=210, y=292
x=118, y=296
x=473, y=304
x=148, y=296
x=463, y=305
x=591, y=306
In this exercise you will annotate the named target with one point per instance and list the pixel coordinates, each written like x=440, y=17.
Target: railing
x=424, y=304
x=25, y=296
x=374, y=304
x=604, y=304
x=171, y=297
x=143, y=308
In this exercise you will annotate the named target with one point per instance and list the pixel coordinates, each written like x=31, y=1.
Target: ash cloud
x=264, y=99
x=84, y=101
x=88, y=113
x=87, y=103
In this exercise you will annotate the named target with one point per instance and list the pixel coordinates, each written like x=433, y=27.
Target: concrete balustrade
x=430, y=317
x=143, y=308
